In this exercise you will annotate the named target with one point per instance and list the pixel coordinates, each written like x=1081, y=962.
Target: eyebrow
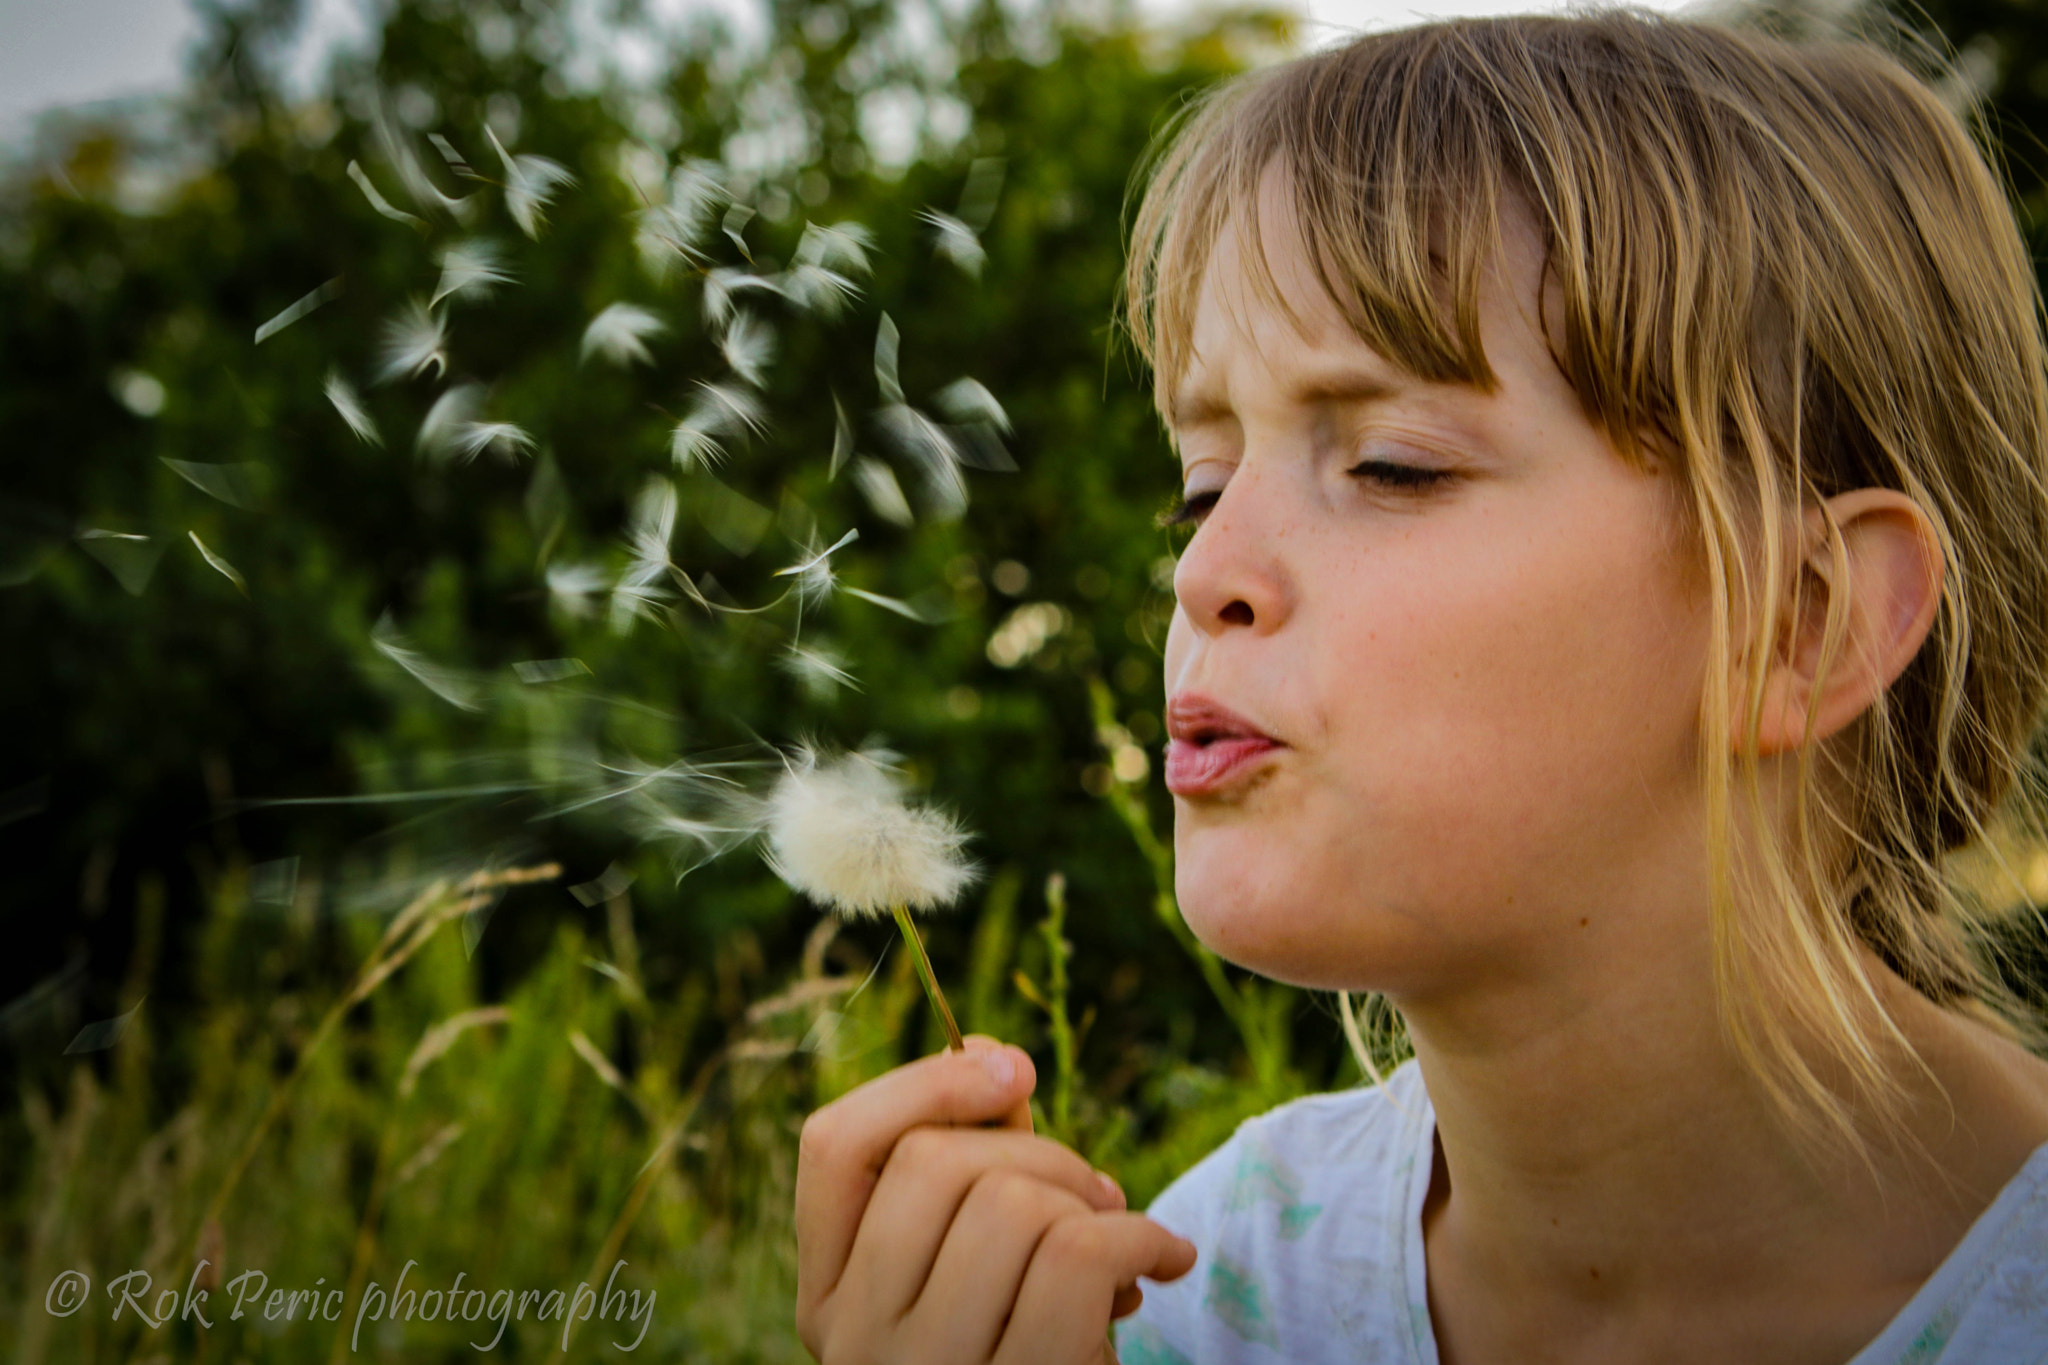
x=1195, y=405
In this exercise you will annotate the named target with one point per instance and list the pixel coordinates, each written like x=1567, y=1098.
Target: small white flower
x=530, y=185
x=349, y=404
x=412, y=342
x=955, y=241
x=619, y=334
x=470, y=270
x=840, y=832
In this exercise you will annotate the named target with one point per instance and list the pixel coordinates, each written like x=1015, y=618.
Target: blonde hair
x=1787, y=271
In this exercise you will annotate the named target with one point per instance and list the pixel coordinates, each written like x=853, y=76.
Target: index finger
x=846, y=1144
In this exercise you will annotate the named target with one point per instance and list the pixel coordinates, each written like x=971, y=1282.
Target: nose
x=1232, y=574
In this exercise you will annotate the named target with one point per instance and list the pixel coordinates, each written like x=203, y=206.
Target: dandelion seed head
x=619, y=334
x=840, y=832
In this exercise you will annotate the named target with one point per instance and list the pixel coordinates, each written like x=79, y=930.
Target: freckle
x=1582, y=924
x=1595, y=1273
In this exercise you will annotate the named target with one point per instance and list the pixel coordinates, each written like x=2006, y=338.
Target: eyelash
x=1183, y=511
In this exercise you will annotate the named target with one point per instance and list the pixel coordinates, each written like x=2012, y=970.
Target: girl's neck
x=1617, y=1164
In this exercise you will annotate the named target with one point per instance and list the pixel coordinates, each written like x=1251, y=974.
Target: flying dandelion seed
x=530, y=185
x=237, y=485
x=818, y=290
x=723, y=284
x=399, y=152
x=457, y=162
x=573, y=588
x=450, y=685
x=98, y=1037
x=326, y=293
x=842, y=437
x=888, y=351
x=840, y=832
x=470, y=270
x=734, y=226
x=534, y=672
x=877, y=483
x=219, y=565
x=508, y=440
x=749, y=347
x=671, y=233
x=813, y=573
x=720, y=411
x=130, y=558
x=412, y=342
x=457, y=408
x=968, y=400
x=820, y=669
x=349, y=404
x=901, y=608
x=930, y=448
x=842, y=247
x=619, y=334
x=955, y=241
x=378, y=201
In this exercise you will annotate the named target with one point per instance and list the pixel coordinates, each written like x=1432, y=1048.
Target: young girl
x=1617, y=446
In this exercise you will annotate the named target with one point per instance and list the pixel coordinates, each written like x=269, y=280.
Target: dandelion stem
x=931, y=983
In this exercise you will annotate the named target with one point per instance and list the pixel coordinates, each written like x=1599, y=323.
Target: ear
x=1892, y=589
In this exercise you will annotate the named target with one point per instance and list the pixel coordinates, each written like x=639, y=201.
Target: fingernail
x=1110, y=1187
x=1000, y=1065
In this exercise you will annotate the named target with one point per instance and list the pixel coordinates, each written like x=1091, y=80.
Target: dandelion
x=840, y=832
x=530, y=185
x=748, y=346
x=720, y=411
x=349, y=404
x=412, y=342
x=955, y=241
x=470, y=269
x=619, y=334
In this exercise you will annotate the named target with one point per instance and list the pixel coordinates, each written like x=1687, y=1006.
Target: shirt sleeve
x=1167, y=1328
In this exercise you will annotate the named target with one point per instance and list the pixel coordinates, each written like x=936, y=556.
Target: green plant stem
x=931, y=982
x=1057, y=950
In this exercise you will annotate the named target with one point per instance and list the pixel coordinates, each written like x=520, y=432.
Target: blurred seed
x=326, y=293
x=220, y=566
x=131, y=559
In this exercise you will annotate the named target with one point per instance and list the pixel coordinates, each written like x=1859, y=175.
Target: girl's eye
x=1189, y=510
x=1400, y=476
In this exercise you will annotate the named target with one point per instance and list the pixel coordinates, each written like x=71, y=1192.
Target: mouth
x=1211, y=748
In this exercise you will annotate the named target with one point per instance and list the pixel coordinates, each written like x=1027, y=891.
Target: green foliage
x=249, y=783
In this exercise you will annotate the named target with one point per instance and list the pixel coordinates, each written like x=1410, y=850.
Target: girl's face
x=1471, y=632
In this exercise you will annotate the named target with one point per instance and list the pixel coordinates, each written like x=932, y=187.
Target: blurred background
x=433, y=433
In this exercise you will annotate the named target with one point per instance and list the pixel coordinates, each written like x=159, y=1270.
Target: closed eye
x=1189, y=511
x=1183, y=511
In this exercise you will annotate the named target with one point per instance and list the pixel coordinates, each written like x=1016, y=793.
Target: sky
x=60, y=52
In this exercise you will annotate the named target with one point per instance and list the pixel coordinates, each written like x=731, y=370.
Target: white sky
x=58, y=52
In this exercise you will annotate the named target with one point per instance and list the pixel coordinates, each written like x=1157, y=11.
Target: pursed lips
x=1210, y=747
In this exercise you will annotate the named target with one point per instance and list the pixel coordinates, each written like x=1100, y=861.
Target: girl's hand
x=924, y=1238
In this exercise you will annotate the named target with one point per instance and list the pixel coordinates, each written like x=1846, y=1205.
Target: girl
x=1617, y=446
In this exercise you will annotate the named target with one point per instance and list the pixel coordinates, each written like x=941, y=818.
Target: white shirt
x=1309, y=1226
